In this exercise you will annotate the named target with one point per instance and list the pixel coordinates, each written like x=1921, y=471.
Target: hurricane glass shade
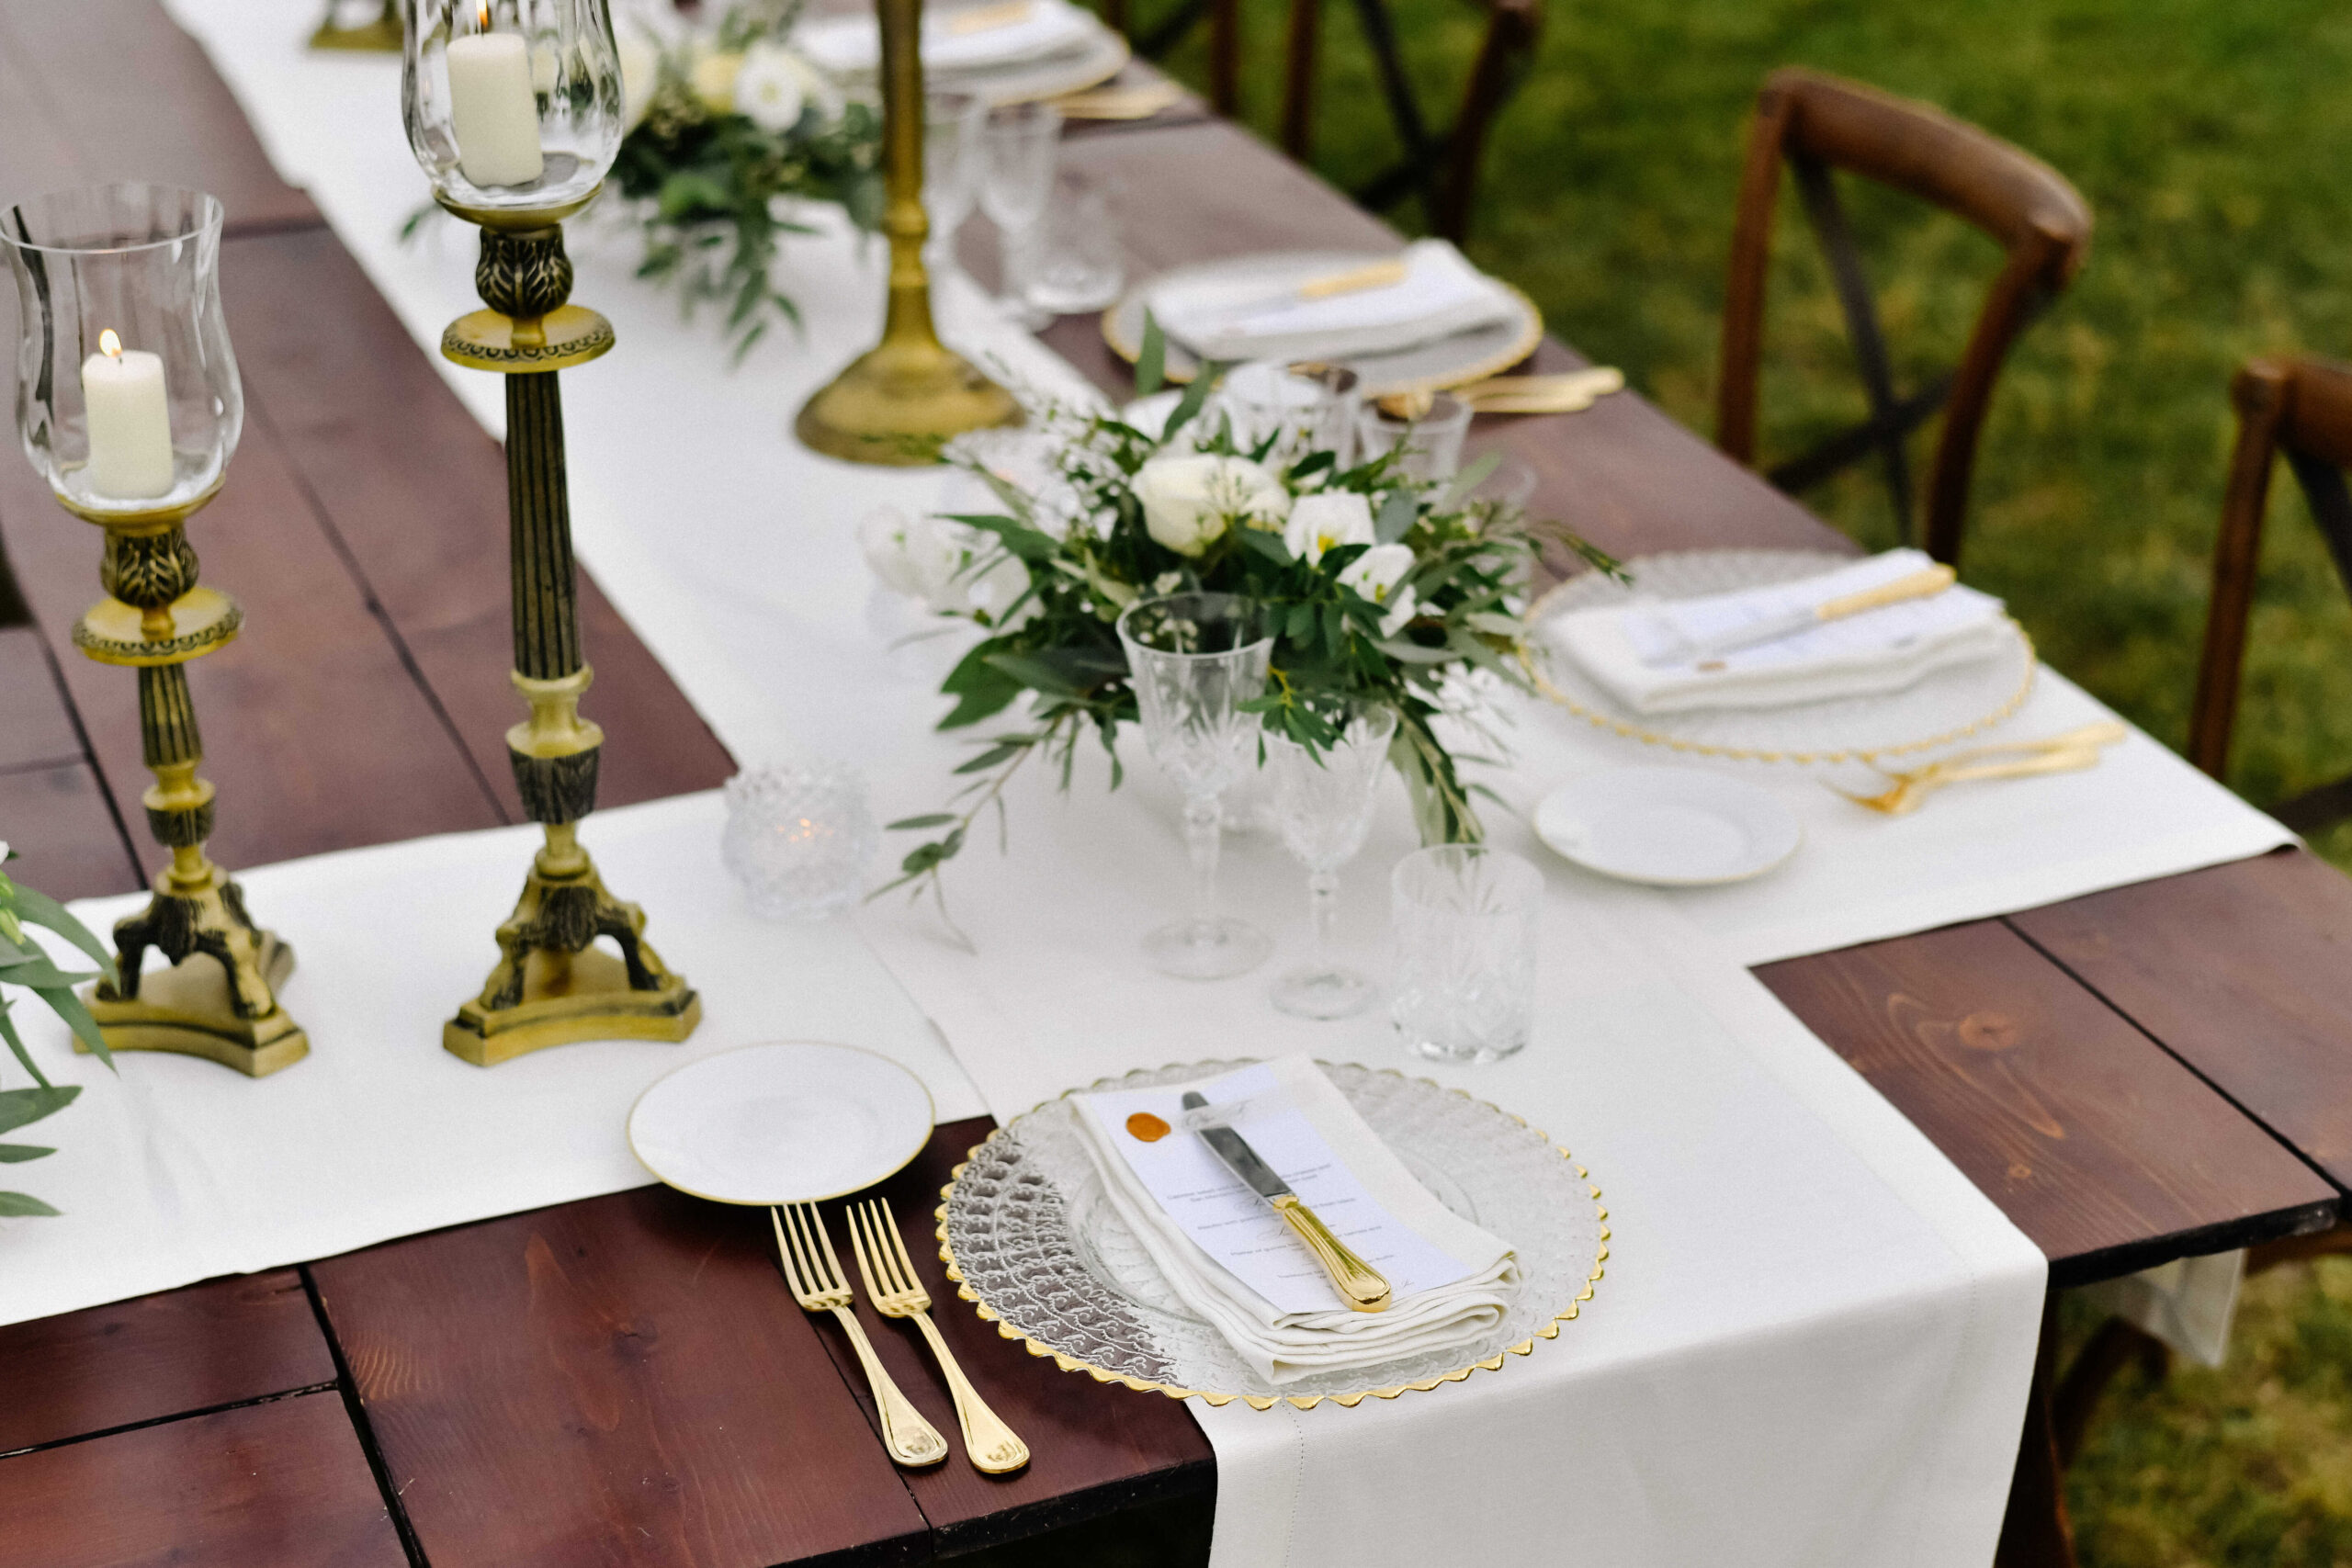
x=513, y=107
x=127, y=401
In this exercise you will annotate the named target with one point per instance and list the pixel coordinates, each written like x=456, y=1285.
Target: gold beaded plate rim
x=1070, y=1363
x=1531, y=335
x=1533, y=667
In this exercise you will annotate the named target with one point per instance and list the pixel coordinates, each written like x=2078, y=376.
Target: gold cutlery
x=2071, y=752
x=1329, y=285
x=1139, y=100
x=897, y=1291
x=1565, y=392
x=814, y=1274
x=1922, y=584
x=985, y=18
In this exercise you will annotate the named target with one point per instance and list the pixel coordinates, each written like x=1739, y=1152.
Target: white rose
x=1325, y=521
x=913, y=555
x=712, y=76
x=640, y=73
x=774, y=85
x=1375, y=574
x=1189, y=502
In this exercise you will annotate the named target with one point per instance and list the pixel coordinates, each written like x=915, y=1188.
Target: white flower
x=1189, y=502
x=640, y=73
x=1325, y=521
x=776, y=85
x=4, y=849
x=913, y=555
x=1375, y=575
x=712, y=76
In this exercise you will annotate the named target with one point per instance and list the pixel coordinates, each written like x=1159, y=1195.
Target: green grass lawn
x=2208, y=137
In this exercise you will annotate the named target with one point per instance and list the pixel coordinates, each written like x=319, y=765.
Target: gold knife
x=1361, y=1286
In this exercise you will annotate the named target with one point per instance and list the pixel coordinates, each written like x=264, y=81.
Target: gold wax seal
x=1146, y=1128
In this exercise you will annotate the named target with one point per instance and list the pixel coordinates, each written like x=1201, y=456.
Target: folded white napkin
x=849, y=44
x=1231, y=1258
x=1640, y=653
x=1228, y=318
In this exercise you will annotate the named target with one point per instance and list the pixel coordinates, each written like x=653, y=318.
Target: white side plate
x=786, y=1122
x=1668, y=827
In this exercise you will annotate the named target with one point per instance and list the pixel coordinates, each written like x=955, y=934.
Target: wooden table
x=2141, y=1074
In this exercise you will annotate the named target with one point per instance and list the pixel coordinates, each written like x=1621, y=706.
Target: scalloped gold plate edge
x=1070, y=1363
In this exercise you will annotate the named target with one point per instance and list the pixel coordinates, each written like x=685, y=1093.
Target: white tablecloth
x=1814, y=1339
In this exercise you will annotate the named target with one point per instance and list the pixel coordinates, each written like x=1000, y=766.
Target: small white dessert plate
x=1668, y=827
x=785, y=1122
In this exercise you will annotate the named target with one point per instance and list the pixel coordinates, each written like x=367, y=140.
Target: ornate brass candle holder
x=129, y=405
x=379, y=34
x=514, y=111
x=552, y=985
x=897, y=401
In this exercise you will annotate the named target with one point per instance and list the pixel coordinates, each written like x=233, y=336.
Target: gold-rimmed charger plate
x=1030, y=1239
x=1430, y=367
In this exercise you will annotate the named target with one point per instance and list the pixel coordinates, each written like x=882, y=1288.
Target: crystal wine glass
x=1194, y=659
x=513, y=107
x=1323, y=806
x=1019, y=144
x=951, y=157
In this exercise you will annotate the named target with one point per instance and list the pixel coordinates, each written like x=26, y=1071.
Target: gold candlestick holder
x=379, y=34
x=552, y=985
x=898, y=402
x=219, y=1000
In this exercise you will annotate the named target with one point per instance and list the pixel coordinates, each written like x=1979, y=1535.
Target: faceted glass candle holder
x=127, y=401
x=513, y=107
x=799, y=839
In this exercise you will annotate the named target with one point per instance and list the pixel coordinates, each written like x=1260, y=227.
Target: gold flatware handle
x=2105, y=733
x=1925, y=584
x=1598, y=379
x=1356, y=280
x=1140, y=102
x=1913, y=788
x=985, y=18
x=912, y=1441
x=1362, y=1287
x=993, y=1447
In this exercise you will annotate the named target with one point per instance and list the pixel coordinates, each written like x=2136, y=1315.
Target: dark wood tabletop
x=2150, y=1073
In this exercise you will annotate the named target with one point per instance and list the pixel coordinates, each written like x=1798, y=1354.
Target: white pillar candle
x=130, y=421
x=493, y=110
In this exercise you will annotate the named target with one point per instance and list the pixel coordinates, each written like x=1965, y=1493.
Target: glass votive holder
x=1430, y=446
x=799, y=838
x=1076, y=265
x=1301, y=408
x=1464, y=920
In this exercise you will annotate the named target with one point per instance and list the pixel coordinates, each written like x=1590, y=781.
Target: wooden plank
x=36, y=727
x=2242, y=971
x=1623, y=474
x=2108, y=1153
x=414, y=494
x=1095, y=1449
x=134, y=98
x=622, y=1382
x=223, y=1342
x=283, y=1484
x=67, y=840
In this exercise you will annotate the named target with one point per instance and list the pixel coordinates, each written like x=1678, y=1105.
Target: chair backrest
x=1817, y=123
x=1439, y=165
x=2301, y=409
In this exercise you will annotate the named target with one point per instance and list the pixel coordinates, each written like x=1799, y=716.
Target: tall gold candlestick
x=897, y=401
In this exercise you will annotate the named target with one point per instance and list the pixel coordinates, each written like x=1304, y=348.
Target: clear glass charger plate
x=1941, y=707
x=1031, y=1238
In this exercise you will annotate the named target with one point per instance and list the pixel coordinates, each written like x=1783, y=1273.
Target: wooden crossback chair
x=2301, y=408
x=1439, y=166
x=1816, y=124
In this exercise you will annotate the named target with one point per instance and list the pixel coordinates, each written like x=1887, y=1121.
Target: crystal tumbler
x=1464, y=918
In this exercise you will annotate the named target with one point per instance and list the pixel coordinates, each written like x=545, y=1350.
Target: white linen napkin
x=1229, y=318
x=850, y=44
x=1231, y=1259
x=1640, y=652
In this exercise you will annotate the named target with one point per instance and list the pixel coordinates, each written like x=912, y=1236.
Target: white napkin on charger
x=1305, y=1128
x=1232, y=318
x=1640, y=654
x=847, y=45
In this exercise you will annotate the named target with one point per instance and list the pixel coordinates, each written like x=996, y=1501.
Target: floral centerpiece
x=23, y=964
x=1380, y=590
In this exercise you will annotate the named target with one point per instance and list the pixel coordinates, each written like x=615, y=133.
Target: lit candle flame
x=109, y=344
x=482, y=16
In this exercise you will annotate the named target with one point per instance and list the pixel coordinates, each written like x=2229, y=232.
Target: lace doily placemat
x=1031, y=1238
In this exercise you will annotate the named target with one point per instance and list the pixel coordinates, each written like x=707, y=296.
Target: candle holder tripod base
x=204, y=1005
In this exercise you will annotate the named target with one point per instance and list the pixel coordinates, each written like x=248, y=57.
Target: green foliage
x=24, y=965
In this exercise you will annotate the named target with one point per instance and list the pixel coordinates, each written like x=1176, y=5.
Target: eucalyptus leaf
x=23, y=1205
x=1152, y=360
x=22, y=1107
x=41, y=910
x=17, y=1154
x=16, y=1045
x=1469, y=478
x=1397, y=516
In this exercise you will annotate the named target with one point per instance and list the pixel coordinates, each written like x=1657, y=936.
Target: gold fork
x=897, y=1291
x=814, y=1274
x=1913, y=787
